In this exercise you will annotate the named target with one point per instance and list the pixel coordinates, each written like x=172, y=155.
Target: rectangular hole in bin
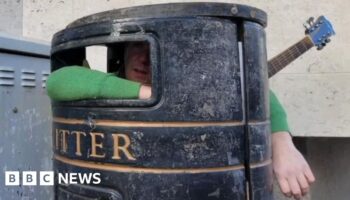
x=133, y=60
x=126, y=60
x=96, y=58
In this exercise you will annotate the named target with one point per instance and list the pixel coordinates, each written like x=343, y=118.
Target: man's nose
x=145, y=60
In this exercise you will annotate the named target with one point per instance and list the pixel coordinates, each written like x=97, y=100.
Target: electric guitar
x=318, y=34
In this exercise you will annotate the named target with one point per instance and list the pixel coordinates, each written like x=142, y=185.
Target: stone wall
x=11, y=17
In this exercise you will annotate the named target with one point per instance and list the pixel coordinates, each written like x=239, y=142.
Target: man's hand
x=145, y=92
x=291, y=169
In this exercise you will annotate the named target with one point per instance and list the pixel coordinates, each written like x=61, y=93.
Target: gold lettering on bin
x=64, y=143
x=95, y=145
x=57, y=139
x=121, y=144
x=118, y=148
x=78, y=141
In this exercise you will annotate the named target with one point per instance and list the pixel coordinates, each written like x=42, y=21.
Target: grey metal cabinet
x=25, y=115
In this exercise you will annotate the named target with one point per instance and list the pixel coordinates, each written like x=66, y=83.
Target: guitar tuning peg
x=320, y=47
x=311, y=21
x=328, y=40
x=307, y=28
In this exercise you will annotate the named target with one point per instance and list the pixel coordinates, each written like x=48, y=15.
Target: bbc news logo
x=46, y=178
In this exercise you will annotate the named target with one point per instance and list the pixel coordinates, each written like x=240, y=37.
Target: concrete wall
x=319, y=78
x=11, y=16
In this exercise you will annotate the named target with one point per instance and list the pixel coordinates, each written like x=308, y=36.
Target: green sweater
x=77, y=83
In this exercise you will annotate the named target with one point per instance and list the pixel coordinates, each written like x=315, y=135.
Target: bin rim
x=186, y=9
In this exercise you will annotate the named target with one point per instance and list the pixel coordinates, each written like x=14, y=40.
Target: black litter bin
x=204, y=133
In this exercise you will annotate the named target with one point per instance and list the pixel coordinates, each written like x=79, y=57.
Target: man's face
x=137, y=63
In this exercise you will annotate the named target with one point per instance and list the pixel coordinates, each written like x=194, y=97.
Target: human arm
x=293, y=173
x=77, y=83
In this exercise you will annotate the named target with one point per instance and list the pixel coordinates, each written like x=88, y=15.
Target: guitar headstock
x=319, y=31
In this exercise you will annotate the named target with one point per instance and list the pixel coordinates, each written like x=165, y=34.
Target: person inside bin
x=76, y=83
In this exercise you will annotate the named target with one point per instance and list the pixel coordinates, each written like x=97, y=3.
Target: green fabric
x=278, y=115
x=77, y=83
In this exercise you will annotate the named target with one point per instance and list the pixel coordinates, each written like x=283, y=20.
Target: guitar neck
x=280, y=61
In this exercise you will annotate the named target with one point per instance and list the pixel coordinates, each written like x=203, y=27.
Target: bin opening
x=133, y=60
x=129, y=60
x=96, y=58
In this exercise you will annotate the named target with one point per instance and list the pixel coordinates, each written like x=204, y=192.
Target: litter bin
x=204, y=133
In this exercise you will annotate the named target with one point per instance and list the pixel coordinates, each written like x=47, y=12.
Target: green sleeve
x=77, y=83
x=278, y=115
